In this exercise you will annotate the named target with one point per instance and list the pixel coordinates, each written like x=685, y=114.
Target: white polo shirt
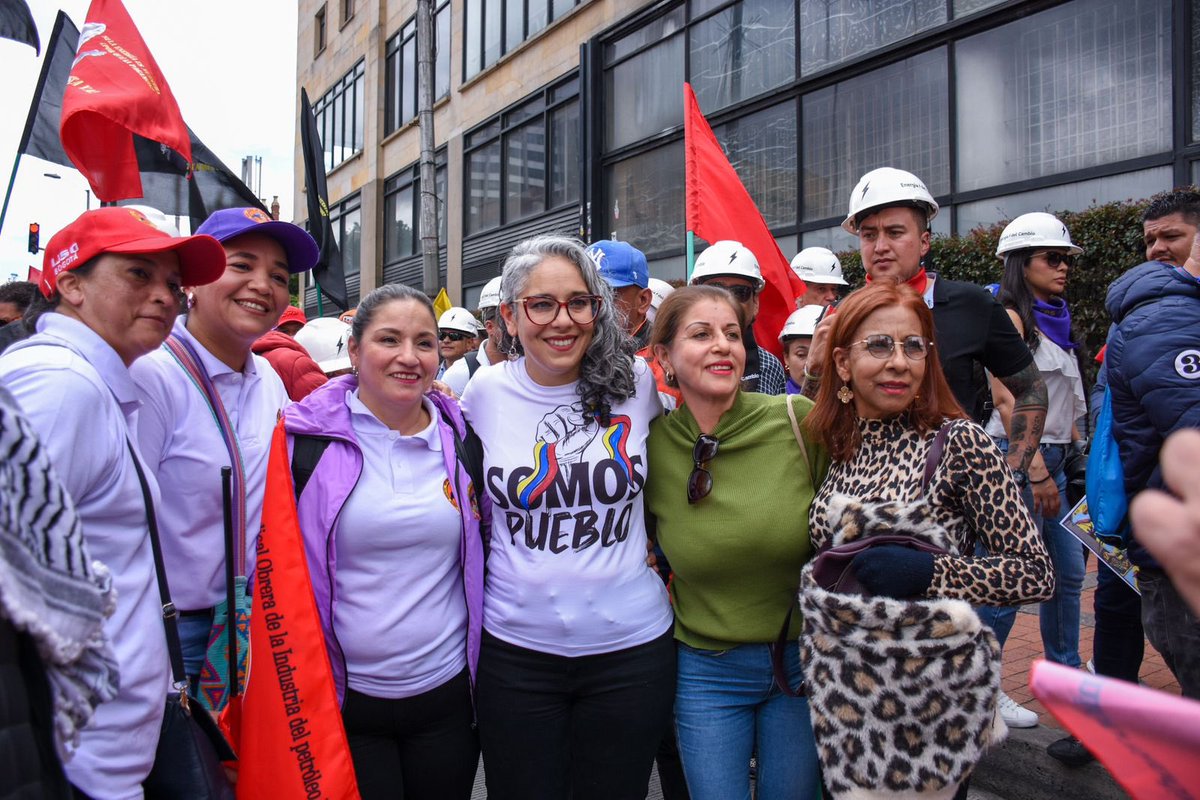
x=79, y=396
x=179, y=437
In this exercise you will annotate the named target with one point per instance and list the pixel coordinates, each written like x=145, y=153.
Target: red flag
x=719, y=207
x=287, y=728
x=114, y=91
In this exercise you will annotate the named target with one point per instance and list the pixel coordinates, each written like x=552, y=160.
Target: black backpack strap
x=472, y=363
x=306, y=452
x=469, y=451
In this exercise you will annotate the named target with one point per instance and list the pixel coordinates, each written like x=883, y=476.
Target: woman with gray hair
x=577, y=669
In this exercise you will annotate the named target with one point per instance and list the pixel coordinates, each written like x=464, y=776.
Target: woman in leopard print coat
x=899, y=722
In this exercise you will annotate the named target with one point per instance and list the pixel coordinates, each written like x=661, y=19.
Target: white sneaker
x=1014, y=715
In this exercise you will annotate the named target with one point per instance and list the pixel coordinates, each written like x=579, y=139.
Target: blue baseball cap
x=301, y=249
x=621, y=264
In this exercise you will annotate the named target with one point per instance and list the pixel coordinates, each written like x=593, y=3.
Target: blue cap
x=620, y=263
x=300, y=248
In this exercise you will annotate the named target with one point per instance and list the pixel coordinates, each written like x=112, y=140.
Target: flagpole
x=8, y=193
x=320, y=305
x=691, y=253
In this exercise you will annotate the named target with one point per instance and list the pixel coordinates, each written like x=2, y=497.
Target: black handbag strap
x=170, y=614
x=934, y=457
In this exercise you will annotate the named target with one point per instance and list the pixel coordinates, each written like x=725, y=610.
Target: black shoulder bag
x=187, y=763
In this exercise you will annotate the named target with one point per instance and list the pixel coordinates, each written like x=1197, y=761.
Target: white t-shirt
x=567, y=572
x=458, y=374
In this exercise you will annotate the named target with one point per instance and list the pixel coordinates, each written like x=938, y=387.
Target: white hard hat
x=818, y=265
x=888, y=186
x=158, y=219
x=727, y=258
x=459, y=319
x=801, y=322
x=489, y=297
x=659, y=290
x=326, y=340
x=1036, y=229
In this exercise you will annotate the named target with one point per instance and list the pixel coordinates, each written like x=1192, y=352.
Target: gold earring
x=845, y=394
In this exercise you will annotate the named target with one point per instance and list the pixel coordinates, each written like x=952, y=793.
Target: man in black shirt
x=890, y=211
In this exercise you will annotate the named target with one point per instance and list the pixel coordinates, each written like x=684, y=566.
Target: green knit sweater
x=736, y=554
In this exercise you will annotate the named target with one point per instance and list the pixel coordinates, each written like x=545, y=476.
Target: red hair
x=835, y=423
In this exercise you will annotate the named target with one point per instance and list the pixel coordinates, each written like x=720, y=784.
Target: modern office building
x=567, y=115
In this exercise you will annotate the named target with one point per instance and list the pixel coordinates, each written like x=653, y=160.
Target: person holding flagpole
x=577, y=669
x=110, y=291
x=208, y=402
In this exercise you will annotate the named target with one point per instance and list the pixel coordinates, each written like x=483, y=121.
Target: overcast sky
x=231, y=65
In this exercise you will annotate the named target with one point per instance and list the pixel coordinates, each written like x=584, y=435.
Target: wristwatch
x=1022, y=478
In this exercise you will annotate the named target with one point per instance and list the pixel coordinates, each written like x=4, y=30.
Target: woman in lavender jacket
x=392, y=532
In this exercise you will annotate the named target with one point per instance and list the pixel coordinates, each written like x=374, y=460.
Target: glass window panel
x=762, y=148
x=964, y=7
x=645, y=200
x=347, y=229
x=1196, y=173
x=1078, y=85
x=652, y=31
x=644, y=95
x=484, y=133
x=897, y=116
x=539, y=15
x=441, y=65
x=360, y=107
x=701, y=7
x=399, y=234
x=473, y=35
x=565, y=90
x=833, y=238
x=560, y=7
x=519, y=115
x=408, y=96
x=1071, y=197
x=491, y=31
x=391, y=86
x=525, y=173
x=339, y=127
x=514, y=23
x=483, y=188
x=439, y=185
x=742, y=51
x=564, y=155
x=832, y=31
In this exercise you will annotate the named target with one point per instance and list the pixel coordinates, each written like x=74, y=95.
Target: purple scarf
x=1054, y=320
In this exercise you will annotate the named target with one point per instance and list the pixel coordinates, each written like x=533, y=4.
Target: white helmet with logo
x=885, y=187
x=459, y=319
x=659, y=290
x=1036, y=229
x=818, y=265
x=327, y=341
x=489, y=297
x=801, y=322
x=727, y=258
x=158, y=219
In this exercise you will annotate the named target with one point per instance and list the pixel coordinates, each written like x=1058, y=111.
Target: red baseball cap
x=293, y=314
x=117, y=229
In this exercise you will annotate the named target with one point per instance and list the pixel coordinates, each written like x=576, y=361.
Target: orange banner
x=287, y=727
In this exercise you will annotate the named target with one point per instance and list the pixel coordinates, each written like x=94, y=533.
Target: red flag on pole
x=287, y=728
x=114, y=91
x=719, y=207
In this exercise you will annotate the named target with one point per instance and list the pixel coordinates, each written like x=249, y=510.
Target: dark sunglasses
x=880, y=345
x=700, y=482
x=542, y=309
x=454, y=336
x=1056, y=259
x=744, y=294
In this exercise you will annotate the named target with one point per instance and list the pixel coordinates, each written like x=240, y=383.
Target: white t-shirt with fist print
x=567, y=572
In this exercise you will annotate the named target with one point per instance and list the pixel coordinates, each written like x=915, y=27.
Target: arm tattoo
x=1028, y=415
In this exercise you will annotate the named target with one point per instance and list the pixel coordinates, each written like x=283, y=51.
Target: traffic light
x=34, y=231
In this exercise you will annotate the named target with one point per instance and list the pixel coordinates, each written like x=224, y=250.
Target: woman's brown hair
x=675, y=307
x=835, y=423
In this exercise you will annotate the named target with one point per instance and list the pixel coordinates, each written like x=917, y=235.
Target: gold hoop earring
x=845, y=394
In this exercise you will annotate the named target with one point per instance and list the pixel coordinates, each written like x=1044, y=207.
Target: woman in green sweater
x=730, y=488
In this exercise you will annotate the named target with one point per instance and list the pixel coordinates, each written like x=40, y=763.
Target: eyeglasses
x=700, y=482
x=542, y=309
x=454, y=336
x=744, y=294
x=1055, y=259
x=880, y=345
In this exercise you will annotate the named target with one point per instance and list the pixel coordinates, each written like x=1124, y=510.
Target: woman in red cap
x=208, y=403
x=111, y=286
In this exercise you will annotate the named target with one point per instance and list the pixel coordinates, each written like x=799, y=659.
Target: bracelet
x=1043, y=480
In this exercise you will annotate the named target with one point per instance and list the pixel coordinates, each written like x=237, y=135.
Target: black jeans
x=1117, y=646
x=585, y=728
x=1172, y=628
x=417, y=748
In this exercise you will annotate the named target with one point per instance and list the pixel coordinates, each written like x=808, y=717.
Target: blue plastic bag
x=1108, y=507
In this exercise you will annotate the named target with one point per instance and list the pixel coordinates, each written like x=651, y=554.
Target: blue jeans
x=1060, y=614
x=727, y=708
x=193, y=641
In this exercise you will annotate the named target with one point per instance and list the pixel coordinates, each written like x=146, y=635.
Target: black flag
x=16, y=23
x=328, y=272
x=164, y=174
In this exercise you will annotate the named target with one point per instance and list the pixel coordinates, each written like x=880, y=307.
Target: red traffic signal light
x=34, y=231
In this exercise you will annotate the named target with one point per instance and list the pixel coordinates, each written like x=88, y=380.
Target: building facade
x=567, y=116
